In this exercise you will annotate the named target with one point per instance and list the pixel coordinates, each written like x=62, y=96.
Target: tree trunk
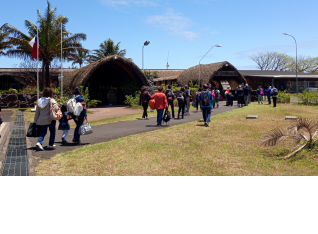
x=47, y=73
x=41, y=81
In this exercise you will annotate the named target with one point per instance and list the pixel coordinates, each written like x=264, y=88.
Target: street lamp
x=296, y=60
x=204, y=56
x=145, y=44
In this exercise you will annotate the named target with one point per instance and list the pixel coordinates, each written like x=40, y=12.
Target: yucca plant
x=107, y=48
x=49, y=39
x=303, y=131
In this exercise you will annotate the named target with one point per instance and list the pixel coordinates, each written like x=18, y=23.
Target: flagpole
x=61, y=62
x=37, y=60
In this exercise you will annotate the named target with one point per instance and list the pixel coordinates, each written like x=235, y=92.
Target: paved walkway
x=111, y=131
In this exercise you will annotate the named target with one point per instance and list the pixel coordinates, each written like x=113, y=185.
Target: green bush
x=88, y=101
x=28, y=90
x=3, y=92
x=283, y=97
x=132, y=100
x=308, y=98
x=13, y=91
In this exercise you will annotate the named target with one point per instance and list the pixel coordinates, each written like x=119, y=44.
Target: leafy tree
x=106, y=48
x=79, y=57
x=148, y=74
x=3, y=43
x=49, y=39
x=272, y=61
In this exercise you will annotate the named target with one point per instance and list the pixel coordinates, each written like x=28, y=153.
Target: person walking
x=64, y=125
x=217, y=97
x=274, y=93
x=268, y=94
x=83, y=115
x=240, y=96
x=197, y=95
x=170, y=98
x=187, y=100
x=181, y=102
x=246, y=90
x=43, y=119
x=161, y=104
x=206, y=104
x=260, y=94
x=144, y=99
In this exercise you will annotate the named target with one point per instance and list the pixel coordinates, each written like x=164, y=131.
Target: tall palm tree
x=49, y=39
x=303, y=131
x=79, y=57
x=106, y=48
x=3, y=43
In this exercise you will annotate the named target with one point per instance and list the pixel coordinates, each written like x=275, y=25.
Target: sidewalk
x=112, y=131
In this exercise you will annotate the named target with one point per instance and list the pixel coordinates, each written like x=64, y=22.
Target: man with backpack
x=268, y=94
x=170, y=99
x=246, y=90
x=274, y=93
x=206, y=104
x=187, y=100
x=217, y=97
x=240, y=96
x=181, y=101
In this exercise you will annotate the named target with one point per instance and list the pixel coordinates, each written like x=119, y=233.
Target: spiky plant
x=107, y=48
x=49, y=39
x=4, y=44
x=304, y=132
x=79, y=57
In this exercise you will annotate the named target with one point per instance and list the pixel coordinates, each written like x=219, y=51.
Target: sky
x=186, y=30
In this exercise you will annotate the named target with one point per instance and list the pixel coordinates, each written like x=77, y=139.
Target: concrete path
x=111, y=131
x=110, y=112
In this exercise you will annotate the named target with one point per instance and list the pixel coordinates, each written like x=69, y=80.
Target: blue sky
x=187, y=29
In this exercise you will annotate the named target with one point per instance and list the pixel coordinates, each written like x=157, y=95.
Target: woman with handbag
x=79, y=120
x=42, y=117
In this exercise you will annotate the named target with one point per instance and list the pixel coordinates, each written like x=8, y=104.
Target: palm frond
x=274, y=137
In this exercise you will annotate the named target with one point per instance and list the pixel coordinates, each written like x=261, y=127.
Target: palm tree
x=79, y=57
x=106, y=48
x=304, y=132
x=49, y=39
x=3, y=43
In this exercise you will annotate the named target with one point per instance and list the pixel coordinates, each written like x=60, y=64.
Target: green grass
x=229, y=147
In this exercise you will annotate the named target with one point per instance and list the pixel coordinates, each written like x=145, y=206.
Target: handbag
x=33, y=130
x=85, y=129
x=152, y=103
x=55, y=115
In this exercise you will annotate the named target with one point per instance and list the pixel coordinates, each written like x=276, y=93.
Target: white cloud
x=123, y=3
x=214, y=32
x=174, y=24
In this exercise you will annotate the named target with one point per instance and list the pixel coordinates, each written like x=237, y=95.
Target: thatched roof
x=166, y=78
x=81, y=76
x=207, y=73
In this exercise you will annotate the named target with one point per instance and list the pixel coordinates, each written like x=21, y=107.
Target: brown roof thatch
x=81, y=76
x=166, y=78
x=207, y=73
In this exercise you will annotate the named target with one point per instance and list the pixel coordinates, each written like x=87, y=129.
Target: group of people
x=42, y=118
x=243, y=93
x=270, y=92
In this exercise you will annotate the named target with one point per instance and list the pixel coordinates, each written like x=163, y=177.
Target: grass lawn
x=230, y=146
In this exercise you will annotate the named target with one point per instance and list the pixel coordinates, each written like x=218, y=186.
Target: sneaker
x=207, y=124
x=147, y=118
x=63, y=141
x=51, y=146
x=39, y=146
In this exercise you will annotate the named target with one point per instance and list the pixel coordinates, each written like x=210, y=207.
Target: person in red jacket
x=161, y=104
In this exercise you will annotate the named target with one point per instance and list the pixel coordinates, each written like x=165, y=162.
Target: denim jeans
x=78, y=124
x=159, y=115
x=246, y=100
x=269, y=100
x=170, y=103
x=206, y=114
x=44, y=131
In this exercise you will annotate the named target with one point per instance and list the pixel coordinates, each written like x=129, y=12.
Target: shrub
x=283, y=97
x=28, y=90
x=88, y=101
x=308, y=98
x=132, y=100
x=3, y=92
x=13, y=91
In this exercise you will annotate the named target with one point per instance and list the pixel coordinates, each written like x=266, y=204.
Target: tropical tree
x=3, y=43
x=106, y=48
x=49, y=39
x=79, y=57
x=304, y=132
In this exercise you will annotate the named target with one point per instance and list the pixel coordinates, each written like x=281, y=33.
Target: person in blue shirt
x=80, y=120
x=269, y=94
x=206, y=107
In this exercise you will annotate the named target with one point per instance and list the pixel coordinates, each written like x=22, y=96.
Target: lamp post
x=203, y=57
x=145, y=44
x=296, y=60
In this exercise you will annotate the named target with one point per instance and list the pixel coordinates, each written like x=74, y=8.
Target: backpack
x=261, y=92
x=180, y=96
x=78, y=109
x=169, y=95
x=206, y=100
x=71, y=105
x=217, y=93
x=166, y=116
x=275, y=92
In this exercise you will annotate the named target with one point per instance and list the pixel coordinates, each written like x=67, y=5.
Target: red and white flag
x=34, y=44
